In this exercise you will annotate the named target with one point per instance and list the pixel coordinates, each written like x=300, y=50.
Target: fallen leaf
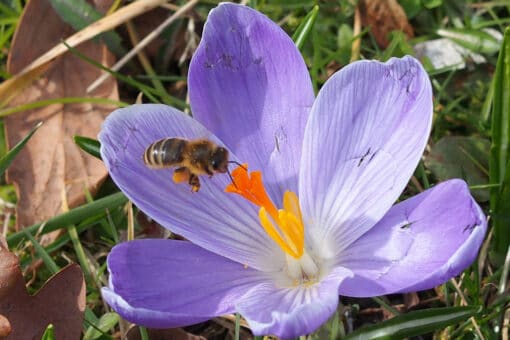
x=383, y=17
x=6, y=277
x=51, y=163
x=411, y=299
x=61, y=302
x=5, y=326
x=461, y=157
x=9, y=271
x=16, y=83
x=145, y=24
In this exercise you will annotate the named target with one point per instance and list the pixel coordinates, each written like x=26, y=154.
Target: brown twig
x=143, y=43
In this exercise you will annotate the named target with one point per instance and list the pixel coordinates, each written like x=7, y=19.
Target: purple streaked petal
x=222, y=223
x=419, y=244
x=291, y=312
x=249, y=85
x=366, y=133
x=165, y=283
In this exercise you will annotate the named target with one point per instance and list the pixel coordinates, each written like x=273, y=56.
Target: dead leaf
x=5, y=326
x=411, y=300
x=9, y=271
x=145, y=24
x=61, y=302
x=51, y=163
x=384, y=16
x=15, y=84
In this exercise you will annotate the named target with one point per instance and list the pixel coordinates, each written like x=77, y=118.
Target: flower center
x=284, y=226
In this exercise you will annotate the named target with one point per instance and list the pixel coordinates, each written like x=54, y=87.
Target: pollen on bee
x=181, y=175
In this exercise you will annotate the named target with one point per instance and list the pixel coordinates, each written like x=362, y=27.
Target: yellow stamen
x=285, y=226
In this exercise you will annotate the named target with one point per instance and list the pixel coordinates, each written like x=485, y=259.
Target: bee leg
x=194, y=181
x=181, y=174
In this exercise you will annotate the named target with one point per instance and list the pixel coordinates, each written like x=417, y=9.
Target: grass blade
x=305, y=27
x=49, y=333
x=414, y=323
x=74, y=216
x=105, y=323
x=6, y=160
x=475, y=40
x=48, y=261
x=79, y=14
x=89, y=145
x=499, y=171
x=63, y=100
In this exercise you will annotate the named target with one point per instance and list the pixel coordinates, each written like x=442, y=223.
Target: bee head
x=219, y=160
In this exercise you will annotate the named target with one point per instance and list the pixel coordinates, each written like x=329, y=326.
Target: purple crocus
x=310, y=217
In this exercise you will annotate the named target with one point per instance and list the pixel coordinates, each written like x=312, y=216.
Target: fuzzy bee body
x=164, y=153
x=190, y=157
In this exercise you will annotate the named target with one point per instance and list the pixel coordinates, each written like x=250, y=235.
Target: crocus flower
x=310, y=215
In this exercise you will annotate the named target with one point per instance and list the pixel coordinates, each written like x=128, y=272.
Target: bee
x=191, y=158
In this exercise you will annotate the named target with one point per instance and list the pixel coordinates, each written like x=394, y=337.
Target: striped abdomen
x=165, y=153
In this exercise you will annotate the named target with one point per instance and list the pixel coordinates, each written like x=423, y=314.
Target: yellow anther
x=285, y=227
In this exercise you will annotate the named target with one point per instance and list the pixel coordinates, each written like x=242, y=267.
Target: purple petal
x=291, y=312
x=165, y=283
x=249, y=85
x=419, y=244
x=366, y=133
x=222, y=223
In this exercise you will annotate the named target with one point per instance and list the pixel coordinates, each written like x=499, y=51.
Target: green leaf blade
x=105, y=323
x=74, y=216
x=461, y=157
x=414, y=323
x=79, y=14
x=474, y=40
x=49, y=333
x=299, y=37
x=89, y=145
x=6, y=160
x=499, y=169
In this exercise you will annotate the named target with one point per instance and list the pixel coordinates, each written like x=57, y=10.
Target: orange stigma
x=285, y=226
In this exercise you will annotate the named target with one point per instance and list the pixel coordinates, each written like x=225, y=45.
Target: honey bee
x=191, y=158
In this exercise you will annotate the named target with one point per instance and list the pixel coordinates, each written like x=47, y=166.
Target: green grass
x=471, y=102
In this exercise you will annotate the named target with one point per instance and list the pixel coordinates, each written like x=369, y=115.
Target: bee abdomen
x=164, y=153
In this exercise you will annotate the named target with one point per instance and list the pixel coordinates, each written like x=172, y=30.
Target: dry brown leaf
x=384, y=16
x=145, y=24
x=411, y=300
x=9, y=271
x=15, y=84
x=51, y=163
x=5, y=327
x=61, y=302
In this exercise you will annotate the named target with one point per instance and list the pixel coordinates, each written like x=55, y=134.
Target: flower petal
x=249, y=85
x=222, y=223
x=366, y=133
x=291, y=312
x=165, y=283
x=419, y=244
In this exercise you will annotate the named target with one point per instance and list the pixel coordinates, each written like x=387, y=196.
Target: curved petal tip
x=419, y=244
